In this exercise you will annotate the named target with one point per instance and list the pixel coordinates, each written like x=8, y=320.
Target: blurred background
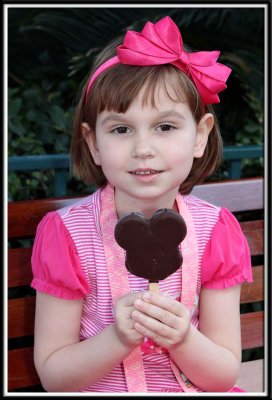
x=50, y=53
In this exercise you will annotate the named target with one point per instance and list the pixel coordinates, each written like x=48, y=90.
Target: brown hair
x=115, y=89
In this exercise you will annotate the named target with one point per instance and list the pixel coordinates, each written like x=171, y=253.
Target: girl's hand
x=162, y=319
x=124, y=324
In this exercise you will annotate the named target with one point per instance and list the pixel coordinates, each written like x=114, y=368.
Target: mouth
x=145, y=172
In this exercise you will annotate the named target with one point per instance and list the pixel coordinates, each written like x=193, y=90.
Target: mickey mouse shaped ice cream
x=152, y=246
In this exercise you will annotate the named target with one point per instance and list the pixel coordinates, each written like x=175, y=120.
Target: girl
x=146, y=133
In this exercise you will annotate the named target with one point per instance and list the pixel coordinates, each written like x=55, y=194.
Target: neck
x=125, y=204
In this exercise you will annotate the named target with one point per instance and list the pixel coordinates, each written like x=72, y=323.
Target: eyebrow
x=171, y=113
x=112, y=117
x=118, y=118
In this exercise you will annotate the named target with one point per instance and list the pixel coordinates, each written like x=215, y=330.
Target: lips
x=144, y=171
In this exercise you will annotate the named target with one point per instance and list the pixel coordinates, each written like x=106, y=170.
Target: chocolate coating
x=151, y=246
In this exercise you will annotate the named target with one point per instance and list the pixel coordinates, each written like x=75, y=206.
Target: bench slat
x=251, y=292
x=252, y=330
x=24, y=216
x=251, y=376
x=18, y=326
x=20, y=265
x=242, y=195
x=19, y=262
x=21, y=369
x=251, y=323
x=22, y=373
x=254, y=232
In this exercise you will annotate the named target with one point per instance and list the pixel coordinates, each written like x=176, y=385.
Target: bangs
x=116, y=88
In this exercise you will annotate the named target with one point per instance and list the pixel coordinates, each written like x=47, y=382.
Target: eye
x=120, y=130
x=165, y=127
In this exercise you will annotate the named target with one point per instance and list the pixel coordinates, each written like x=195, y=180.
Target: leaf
x=14, y=107
x=58, y=117
x=36, y=116
x=16, y=127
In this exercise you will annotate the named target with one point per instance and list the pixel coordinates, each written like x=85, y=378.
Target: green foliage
x=59, y=45
x=37, y=123
x=30, y=185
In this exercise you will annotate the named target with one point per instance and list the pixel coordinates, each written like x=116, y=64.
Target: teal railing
x=60, y=164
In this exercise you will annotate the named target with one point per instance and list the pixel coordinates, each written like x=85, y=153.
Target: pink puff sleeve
x=55, y=261
x=226, y=260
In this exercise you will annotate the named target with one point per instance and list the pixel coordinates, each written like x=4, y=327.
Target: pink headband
x=161, y=43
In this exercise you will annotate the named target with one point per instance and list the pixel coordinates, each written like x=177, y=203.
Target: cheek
x=181, y=158
x=104, y=152
x=181, y=152
x=110, y=155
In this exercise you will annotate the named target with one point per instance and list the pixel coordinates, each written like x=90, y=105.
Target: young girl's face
x=147, y=152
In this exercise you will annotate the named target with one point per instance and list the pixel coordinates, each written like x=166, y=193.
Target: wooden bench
x=243, y=197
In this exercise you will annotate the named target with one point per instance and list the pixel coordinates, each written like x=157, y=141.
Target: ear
x=204, y=128
x=90, y=137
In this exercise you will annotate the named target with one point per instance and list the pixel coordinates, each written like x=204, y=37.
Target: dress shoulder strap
x=119, y=284
x=190, y=269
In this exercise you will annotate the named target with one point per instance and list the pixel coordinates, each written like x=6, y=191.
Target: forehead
x=121, y=85
x=162, y=91
x=143, y=112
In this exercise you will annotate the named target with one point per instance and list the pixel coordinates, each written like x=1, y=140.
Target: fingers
x=128, y=299
x=161, y=318
x=151, y=327
x=124, y=324
x=161, y=307
x=163, y=335
x=125, y=305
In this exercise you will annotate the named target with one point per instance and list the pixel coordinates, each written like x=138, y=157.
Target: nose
x=143, y=148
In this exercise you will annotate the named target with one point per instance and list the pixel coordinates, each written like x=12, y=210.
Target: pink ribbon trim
x=119, y=284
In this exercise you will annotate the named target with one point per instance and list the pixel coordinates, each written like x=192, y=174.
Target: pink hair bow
x=161, y=43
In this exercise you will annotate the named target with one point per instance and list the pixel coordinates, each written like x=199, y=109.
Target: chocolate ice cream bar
x=152, y=245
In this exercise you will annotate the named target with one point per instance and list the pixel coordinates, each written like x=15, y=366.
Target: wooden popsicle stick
x=154, y=286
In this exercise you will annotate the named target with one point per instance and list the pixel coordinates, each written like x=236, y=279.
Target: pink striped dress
x=68, y=261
